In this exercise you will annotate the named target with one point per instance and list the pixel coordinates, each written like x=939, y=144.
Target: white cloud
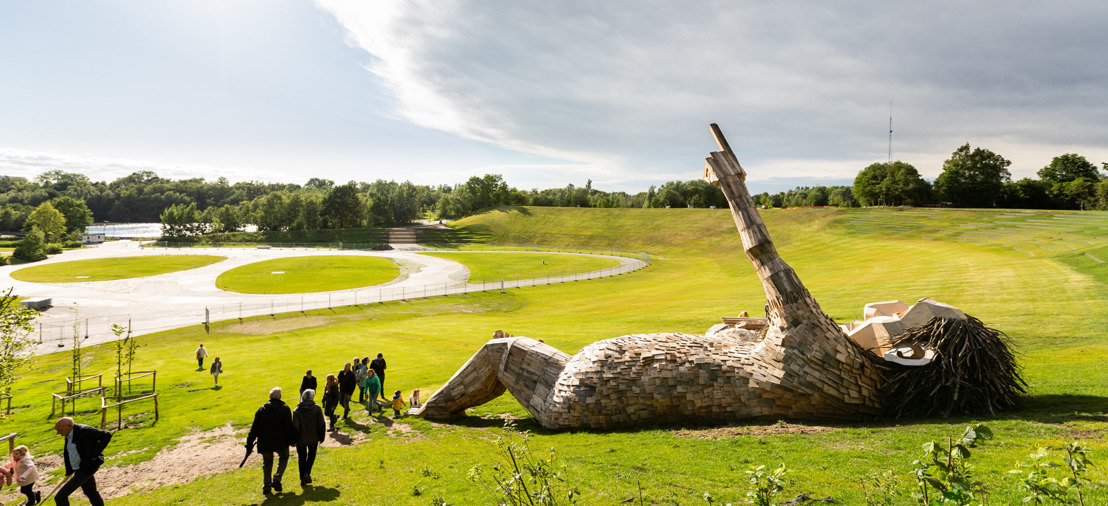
x=28, y=164
x=802, y=88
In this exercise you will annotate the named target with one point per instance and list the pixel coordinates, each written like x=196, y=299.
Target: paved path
x=166, y=301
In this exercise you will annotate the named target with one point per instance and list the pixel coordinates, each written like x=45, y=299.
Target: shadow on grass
x=310, y=493
x=1062, y=408
x=1046, y=409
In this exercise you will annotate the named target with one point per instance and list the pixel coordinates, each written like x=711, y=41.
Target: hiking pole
x=249, y=450
x=56, y=487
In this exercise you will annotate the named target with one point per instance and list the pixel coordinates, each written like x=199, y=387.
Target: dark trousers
x=382, y=378
x=29, y=491
x=305, y=459
x=86, y=481
x=329, y=410
x=345, y=399
x=267, y=466
x=200, y=362
x=361, y=394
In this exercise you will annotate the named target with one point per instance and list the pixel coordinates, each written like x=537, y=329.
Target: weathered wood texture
x=804, y=367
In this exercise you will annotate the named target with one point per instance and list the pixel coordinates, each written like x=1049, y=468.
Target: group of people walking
x=82, y=453
x=276, y=427
x=217, y=366
x=361, y=374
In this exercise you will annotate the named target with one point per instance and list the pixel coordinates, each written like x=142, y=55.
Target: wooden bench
x=120, y=400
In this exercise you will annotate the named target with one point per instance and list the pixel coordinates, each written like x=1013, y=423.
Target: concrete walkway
x=177, y=299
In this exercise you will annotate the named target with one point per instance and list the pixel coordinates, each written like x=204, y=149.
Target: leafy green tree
x=973, y=178
x=271, y=212
x=841, y=196
x=343, y=207
x=48, y=220
x=227, y=218
x=32, y=246
x=180, y=221
x=890, y=184
x=77, y=214
x=1068, y=167
x=1027, y=193
x=1080, y=191
x=17, y=347
x=668, y=197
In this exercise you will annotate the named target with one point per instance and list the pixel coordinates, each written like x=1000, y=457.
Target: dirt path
x=196, y=455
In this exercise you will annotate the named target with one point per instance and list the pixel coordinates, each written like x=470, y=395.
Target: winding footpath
x=183, y=298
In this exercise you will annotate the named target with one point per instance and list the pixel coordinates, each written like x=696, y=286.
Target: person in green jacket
x=373, y=387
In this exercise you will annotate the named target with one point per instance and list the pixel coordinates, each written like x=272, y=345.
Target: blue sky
x=544, y=93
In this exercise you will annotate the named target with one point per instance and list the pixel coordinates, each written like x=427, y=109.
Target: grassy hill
x=1025, y=273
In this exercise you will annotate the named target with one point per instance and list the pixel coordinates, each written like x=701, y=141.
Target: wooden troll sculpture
x=804, y=367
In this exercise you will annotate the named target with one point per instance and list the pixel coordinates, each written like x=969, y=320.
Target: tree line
x=191, y=206
x=970, y=178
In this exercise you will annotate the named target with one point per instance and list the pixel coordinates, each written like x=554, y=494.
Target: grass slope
x=1050, y=302
x=495, y=266
x=321, y=273
x=108, y=269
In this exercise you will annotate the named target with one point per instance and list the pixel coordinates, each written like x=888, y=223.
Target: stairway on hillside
x=404, y=238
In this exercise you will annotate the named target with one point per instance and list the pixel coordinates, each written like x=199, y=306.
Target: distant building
x=92, y=238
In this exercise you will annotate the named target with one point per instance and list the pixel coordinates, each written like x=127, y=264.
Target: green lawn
x=509, y=266
x=321, y=273
x=107, y=269
x=1051, y=303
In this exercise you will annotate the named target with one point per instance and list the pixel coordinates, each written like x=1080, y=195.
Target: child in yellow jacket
x=398, y=403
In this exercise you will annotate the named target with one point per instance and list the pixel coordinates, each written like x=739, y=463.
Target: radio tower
x=890, y=132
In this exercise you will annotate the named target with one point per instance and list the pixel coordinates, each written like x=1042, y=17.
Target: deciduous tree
x=48, y=220
x=17, y=347
x=973, y=178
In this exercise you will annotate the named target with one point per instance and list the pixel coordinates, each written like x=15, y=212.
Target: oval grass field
x=321, y=273
x=484, y=266
x=108, y=269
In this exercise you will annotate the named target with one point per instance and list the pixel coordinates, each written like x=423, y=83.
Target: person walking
x=378, y=365
x=83, y=454
x=347, y=382
x=310, y=426
x=273, y=432
x=308, y=383
x=361, y=371
x=24, y=474
x=373, y=388
x=331, y=398
x=217, y=369
x=201, y=354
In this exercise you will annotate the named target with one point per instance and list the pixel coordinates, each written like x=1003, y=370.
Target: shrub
x=53, y=248
x=31, y=247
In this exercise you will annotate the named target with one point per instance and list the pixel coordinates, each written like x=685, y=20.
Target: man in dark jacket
x=272, y=429
x=308, y=421
x=308, y=383
x=347, y=382
x=83, y=453
x=378, y=366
